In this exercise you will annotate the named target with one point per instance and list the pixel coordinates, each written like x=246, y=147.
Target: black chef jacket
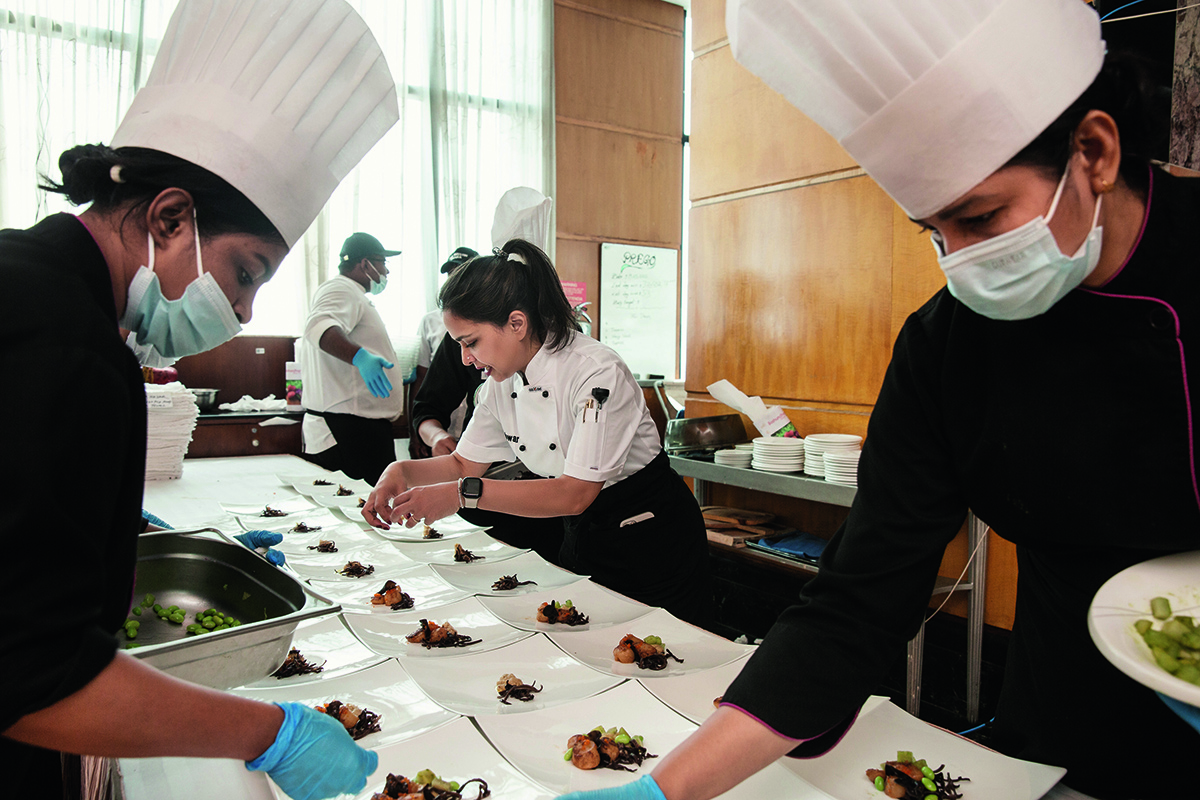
x=1071, y=434
x=74, y=465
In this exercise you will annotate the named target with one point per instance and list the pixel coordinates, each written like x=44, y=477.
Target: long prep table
x=518, y=748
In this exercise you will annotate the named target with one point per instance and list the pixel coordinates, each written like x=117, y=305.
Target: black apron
x=661, y=561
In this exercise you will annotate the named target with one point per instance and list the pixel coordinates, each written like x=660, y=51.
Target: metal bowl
x=197, y=573
x=697, y=434
x=206, y=399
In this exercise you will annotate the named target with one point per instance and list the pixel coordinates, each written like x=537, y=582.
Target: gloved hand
x=371, y=367
x=314, y=757
x=153, y=520
x=257, y=539
x=1190, y=713
x=644, y=788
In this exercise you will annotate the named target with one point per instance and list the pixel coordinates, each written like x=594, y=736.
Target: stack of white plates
x=732, y=458
x=778, y=454
x=841, y=466
x=818, y=444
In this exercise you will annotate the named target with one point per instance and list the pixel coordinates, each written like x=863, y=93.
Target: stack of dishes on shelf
x=778, y=454
x=817, y=445
x=732, y=457
x=841, y=466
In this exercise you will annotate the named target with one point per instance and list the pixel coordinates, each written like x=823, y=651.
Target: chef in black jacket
x=1063, y=339
x=179, y=236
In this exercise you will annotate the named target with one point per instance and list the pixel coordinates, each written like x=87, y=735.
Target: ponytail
x=517, y=277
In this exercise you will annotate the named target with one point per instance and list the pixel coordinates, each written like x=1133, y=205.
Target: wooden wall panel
x=608, y=87
x=637, y=12
x=790, y=293
x=708, y=24
x=237, y=367
x=745, y=134
x=916, y=276
x=580, y=261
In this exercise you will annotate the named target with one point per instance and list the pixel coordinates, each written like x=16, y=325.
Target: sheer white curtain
x=475, y=79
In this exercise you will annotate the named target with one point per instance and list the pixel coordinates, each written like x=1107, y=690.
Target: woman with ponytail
x=569, y=408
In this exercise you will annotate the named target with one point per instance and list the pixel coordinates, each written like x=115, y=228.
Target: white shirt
x=541, y=419
x=431, y=331
x=331, y=384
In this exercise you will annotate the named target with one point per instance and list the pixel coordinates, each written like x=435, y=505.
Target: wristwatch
x=469, y=490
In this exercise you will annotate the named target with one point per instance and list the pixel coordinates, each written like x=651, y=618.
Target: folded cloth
x=248, y=403
x=806, y=545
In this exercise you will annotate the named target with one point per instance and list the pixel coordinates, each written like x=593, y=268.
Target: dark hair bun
x=86, y=172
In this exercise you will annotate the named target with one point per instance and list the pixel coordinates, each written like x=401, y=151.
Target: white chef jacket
x=432, y=332
x=331, y=384
x=540, y=418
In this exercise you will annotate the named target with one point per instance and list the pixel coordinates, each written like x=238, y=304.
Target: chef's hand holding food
x=264, y=539
x=314, y=757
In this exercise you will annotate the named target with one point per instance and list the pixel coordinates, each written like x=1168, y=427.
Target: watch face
x=472, y=487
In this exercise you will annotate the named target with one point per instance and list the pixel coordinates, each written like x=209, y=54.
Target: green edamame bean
x=209, y=624
x=137, y=611
x=157, y=608
x=621, y=738
x=927, y=772
x=131, y=633
x=567, y=756
x=148, y=600
x=928, y=784
x=879, y=782
x=1160, y=608
x=931, y=797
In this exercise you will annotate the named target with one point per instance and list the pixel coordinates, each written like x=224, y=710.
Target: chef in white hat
x=1004, y=128
x=251, y=115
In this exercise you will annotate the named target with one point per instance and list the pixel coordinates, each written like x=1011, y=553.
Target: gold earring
x=1106, y=187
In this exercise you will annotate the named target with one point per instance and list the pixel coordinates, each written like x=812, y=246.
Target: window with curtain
x=475, y=80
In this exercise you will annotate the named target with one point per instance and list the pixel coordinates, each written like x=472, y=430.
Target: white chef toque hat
x=522, y=213
x=928, y=96
x=281, y=98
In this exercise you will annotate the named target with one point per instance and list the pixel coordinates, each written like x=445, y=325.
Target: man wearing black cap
x=431, y=331
x=347, y=363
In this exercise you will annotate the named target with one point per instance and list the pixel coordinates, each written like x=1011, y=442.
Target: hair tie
x=517, y=257
x=115, y=174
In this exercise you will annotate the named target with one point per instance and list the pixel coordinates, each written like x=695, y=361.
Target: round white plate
x=603, y=607
x=1125, y=598
x=767, y=468
x=834, y=439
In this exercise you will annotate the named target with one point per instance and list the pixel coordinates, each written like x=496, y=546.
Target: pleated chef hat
x=522, y=213
x=928, y=96
x=281, y=98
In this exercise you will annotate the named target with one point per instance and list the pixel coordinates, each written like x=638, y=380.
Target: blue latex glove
x=644, y=788
x=314, y=757
x=256, y=539
x=371, y=367
x=1190, y=713
x=153, y=520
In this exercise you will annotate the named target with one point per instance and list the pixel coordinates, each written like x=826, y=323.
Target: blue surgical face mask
x=1020, y=273
x=377, y=286
x=200, y=320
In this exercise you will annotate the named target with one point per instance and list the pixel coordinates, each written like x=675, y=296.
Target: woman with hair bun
x=569, y=408
x=205, y=186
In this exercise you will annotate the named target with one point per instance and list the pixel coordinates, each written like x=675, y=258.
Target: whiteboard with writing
x=639, y=306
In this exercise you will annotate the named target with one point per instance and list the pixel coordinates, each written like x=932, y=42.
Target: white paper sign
x=639, y=306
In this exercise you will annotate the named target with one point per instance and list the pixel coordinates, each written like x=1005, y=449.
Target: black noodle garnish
x=319, y=482
x=510, y=582
x=425, y=633
x=324, y=546
x=272, y=512
x=658, y=661
x=301, y=527
x=296, y=664
x=464, y=555
x=356, y=569
x=397, y=786
x=368, y=721
x=947, y=787
x=342, y=491
x=524, y=693
x=627, y=754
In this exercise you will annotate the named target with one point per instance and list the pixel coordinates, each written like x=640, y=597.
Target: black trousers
x=364, y=449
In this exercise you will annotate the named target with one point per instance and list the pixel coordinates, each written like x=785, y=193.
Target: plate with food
x=696, y=695
x=378, y=705
x=476, y=548
x=524, y=676
x=338, y=487
x=454, y=757
x=537, y=744
x=657, y=645
x=321, y=649
x=582, y=606
x=276, y=509
x=885, y=733
x=332, y=539
x=460, y=628
x=452, y=527
x=349, y=563
x=521, y=574
x=1159, y=650
x=350, y=499
x=309, y=520
x=416, y=587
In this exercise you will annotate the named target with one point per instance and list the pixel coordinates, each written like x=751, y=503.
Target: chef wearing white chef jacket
x=569, y=408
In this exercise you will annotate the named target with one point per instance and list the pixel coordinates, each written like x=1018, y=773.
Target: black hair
x=489, y=288
x=1125, y=91
x=87, y=177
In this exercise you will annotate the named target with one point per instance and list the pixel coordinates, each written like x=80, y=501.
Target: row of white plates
x=833, y=456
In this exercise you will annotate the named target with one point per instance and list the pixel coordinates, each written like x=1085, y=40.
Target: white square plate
x=326, y=642
x=478, y=576
x=882, y=729
x=602, y=606
x=699, y=649
x=451, y=527
x=290, y=505
x=427, y=590
x=348, y=502
x=312, y=517
x=441, y=551
x=535, y=743
x=324, y=566
x=344, y=536
x=467, y=685
x=309, y=489
x=693, y=695
x=313, y=472
x=386, y=635
x=385, y=688
x=455, y=752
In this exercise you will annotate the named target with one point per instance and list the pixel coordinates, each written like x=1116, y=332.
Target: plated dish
x=345, y=537
x=331, y=487
x=427, y=590
x=310, y=518
x=453, y=527
x=602, y=606
x=480, y=577
x=327, y=642
x=388, y=635
x=698, y=649
x=351, y=502
x=383, y=556
x=1125, y=598
x=467, y=685
x=271, y=509
x=441, y=551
